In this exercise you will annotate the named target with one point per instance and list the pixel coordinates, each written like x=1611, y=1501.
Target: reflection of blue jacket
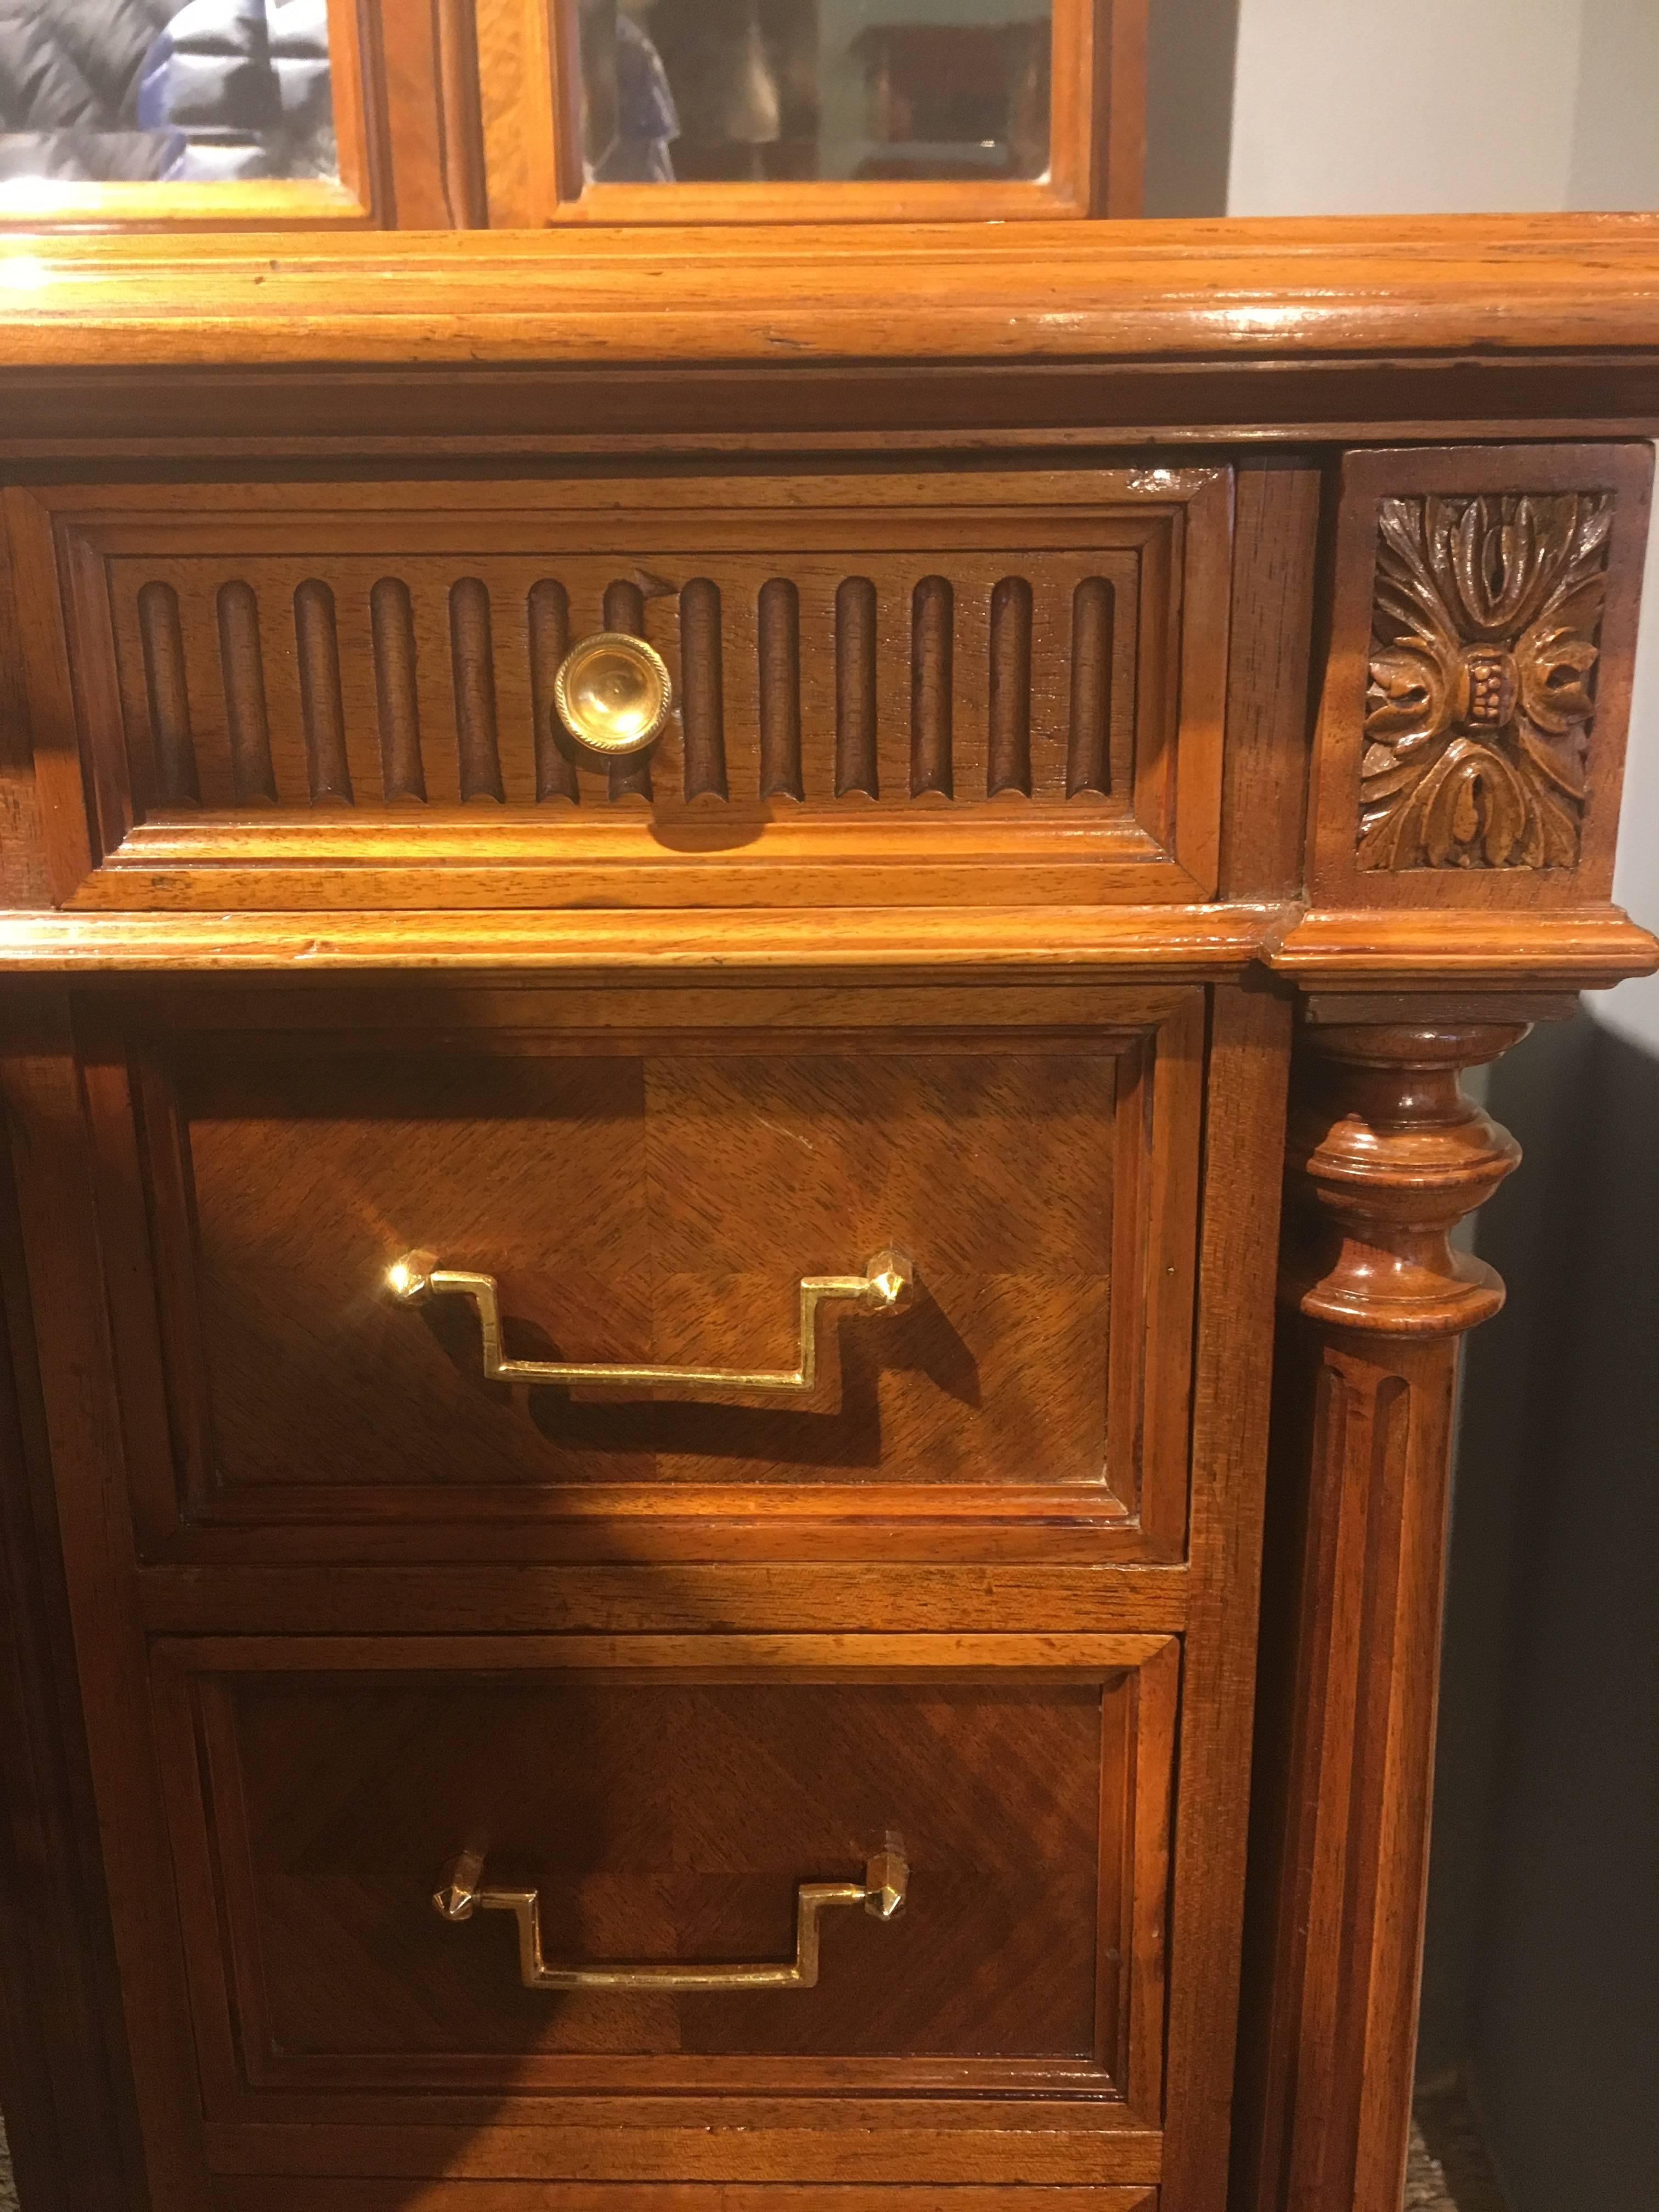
x=69, y=76
x=647, y=121
x=247, y=84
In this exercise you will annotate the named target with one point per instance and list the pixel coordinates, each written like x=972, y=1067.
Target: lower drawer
x=276, y=2195
x=700, y=1909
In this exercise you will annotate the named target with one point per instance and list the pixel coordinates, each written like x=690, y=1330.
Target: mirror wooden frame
x=530, y=77
x=407, y=108
x=357, y=200
x=465, y=115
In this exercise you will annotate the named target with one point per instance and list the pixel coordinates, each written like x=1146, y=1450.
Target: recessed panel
x=419, y=1275
x=654, y=1210
x=285, y=697
x=664, y=1818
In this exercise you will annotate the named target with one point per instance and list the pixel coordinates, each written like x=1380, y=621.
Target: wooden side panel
x=45, y=1116
x=69, y=2122
x=1245, y=1100
x=1270, y=678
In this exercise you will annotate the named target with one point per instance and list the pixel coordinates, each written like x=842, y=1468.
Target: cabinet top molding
x=1237, y=291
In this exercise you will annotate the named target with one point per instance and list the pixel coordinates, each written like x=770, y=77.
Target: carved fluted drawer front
x=972, y=1831
x=473, y=1272
x=298, y=695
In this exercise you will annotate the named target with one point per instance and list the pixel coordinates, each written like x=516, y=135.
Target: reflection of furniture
x=757, y=86
x=744, y=78
x=635, y=1432
x=976, y=97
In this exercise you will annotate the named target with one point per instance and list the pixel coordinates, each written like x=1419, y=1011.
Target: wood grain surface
x=638, y=1788
x=1243, y=288
x=1385, y=1156
x=659, y=1198
x=373, y=724
x=1550, y=750
x=1029, y=772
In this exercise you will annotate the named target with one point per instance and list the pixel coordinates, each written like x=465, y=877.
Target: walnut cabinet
x=734, y=983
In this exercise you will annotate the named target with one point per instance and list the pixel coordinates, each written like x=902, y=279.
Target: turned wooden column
x=1385, y=1157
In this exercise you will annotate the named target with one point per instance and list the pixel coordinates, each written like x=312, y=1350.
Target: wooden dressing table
x=643, y=1522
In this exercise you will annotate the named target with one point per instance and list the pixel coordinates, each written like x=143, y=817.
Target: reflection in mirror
x=147, y=91
x=695, y=91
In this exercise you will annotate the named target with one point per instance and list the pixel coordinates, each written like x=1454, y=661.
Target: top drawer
x=292, y=696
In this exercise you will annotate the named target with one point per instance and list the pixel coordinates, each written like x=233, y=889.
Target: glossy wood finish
x=1535, y=291
x=1166, y=943
x=1000, y=2140
x=316, y=996
x=1385, y=1157
x=1522, y=571
x=71, y=2131
x=649, y=1176
x=636, y=1787
x=228, y=693
x=245, y=2194
x=1096, y=167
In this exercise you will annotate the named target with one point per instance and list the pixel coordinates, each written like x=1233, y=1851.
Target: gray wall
x=1542, y=1976
x=1422, y=106
x=1189, y=106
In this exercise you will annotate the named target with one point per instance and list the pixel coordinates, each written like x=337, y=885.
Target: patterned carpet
x=1448, y=2172
x=1426, y=2189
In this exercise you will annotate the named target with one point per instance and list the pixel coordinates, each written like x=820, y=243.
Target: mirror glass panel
x=784, y=91
x=149, y=92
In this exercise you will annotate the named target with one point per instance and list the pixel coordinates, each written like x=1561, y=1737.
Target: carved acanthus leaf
x=1485, y=623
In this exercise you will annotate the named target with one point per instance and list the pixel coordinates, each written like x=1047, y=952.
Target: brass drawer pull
x=887, y=1285
x=613, y=691
x=881, y=1893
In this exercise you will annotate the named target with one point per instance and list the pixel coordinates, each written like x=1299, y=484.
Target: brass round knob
x=613, y=693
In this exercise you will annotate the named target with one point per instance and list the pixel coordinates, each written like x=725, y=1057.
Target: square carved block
x=1472, y=729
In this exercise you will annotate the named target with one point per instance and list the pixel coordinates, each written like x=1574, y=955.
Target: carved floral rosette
x=1485, y=637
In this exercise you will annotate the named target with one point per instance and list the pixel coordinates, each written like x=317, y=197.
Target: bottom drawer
x=277, y=2195
x=700, y=1905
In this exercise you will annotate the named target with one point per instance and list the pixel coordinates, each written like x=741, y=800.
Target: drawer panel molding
x=346, y=696
x=643, y=1333
x=669, y=1793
